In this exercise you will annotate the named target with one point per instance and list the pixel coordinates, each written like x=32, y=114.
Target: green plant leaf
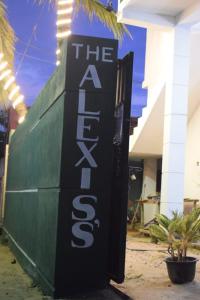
x=158, y=232
x=96, y=8
x=179, y=231
x=7, y=39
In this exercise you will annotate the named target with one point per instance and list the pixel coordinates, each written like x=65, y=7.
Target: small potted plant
x=179, y=232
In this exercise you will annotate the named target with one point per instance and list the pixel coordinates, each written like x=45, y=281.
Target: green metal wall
x=32, y=194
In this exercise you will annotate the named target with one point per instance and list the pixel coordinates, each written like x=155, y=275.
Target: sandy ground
x=14, y=283
x=146, y=276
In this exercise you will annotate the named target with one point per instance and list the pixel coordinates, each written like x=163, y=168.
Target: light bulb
x=61, y=12
x=3, y=65
x=18, y=101
x=9, y=82
x=13, y=92
x=63, y=22
x=63, y=34
x=5, y=74
x=64, y=2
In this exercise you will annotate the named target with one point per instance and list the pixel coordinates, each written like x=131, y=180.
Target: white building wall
x=167, y=61
x=172, y=67
x=192, y=162
x=175, y=123
x=149, y=177
x=157, y=57
x=157, y=64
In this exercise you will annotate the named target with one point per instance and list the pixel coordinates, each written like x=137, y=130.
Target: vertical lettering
x=86, y=154
x=77, y=46
x=106, y=54
x=88, y=209
x=83, y=213
x=91, y=75
x=81, y=127
x=81, y=105
x=85, y=178
x=86, y=237
x=94, y=52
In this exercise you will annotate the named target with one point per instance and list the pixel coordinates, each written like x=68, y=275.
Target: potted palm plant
x=179, y=232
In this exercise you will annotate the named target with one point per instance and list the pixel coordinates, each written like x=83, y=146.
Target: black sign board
x=86, y=173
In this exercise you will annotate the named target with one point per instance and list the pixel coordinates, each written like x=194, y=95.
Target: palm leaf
x=163, y=220
x=158, y=232
x=179, y=231
x=96, y=8
x=7, y=39
x=109, y=19
x=6, y=35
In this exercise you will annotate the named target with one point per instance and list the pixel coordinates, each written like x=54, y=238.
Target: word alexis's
x=84, y=216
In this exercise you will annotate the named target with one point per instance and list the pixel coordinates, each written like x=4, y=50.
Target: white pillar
x=175, y=122
x=149, y=177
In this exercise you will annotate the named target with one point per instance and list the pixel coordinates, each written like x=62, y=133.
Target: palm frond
x=176, y=226
x=158, y=232
x=7, y=36
x=163, y=220
x=108, y=18
x=179, y=231
x=96, y=8
x=7, y=39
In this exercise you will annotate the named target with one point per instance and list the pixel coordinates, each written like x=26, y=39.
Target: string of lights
x=9, y=84
x=64, y=19
x=6, y=75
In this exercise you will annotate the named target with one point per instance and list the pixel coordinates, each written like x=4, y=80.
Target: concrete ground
x=146, y=277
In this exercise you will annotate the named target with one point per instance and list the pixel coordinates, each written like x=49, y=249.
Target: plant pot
x=181, y=272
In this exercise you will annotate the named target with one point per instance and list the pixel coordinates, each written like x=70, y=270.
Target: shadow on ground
x=146, y=277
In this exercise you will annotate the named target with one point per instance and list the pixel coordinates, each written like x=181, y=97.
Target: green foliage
x=109, y=19
x=6, y=34
x=7, y=39
x=179, y=232
x=96, y=8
